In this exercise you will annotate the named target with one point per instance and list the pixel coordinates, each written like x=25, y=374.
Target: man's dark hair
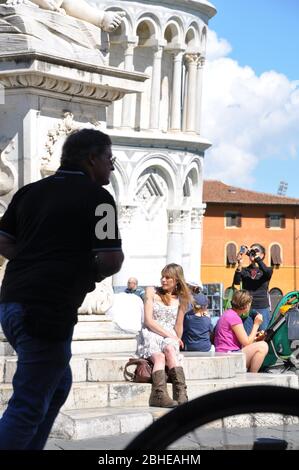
x=81, y=143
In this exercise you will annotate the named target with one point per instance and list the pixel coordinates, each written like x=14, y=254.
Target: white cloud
x=247, y=117
x=217, y=47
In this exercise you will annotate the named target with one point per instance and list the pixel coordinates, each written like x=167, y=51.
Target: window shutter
x=239, y=221
x=283, y=222
x=275, y=255
x=231, y=253
x=267, y=221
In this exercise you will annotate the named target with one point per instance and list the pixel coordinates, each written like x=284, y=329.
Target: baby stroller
x=282, y=335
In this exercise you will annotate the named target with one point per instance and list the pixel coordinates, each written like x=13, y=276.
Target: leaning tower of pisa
x=143, y=85
x=157, y=134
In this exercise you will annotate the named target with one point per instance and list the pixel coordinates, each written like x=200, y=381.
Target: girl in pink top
x=230, y=334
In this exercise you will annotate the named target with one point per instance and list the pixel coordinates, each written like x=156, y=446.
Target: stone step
x=106, y=344
x=196, y=367
x=78, y=424
x=108, y=421
x=99, y=326
x=85, y=395
x=104, y=334
x=110, y=367
x=107, y=339
x=93, y=318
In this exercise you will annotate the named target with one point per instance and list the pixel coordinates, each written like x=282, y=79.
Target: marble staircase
x=102, y=403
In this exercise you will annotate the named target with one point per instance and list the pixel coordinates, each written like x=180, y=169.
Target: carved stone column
x=175, y=118
x=175, y=235
x=196, y=242
x=191, y=61
x=126, y=213
x=127, y=114
x=186, y=254
x=156, y=89
x=200, y=66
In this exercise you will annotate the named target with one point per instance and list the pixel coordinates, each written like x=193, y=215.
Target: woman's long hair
x=175, y=271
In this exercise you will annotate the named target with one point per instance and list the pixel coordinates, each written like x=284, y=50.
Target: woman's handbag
x=143, y=370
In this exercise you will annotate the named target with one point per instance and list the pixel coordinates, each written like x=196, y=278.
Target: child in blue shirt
x=197, y=326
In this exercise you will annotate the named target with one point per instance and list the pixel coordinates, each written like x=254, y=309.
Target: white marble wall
x=157, y=135
x=156, y=130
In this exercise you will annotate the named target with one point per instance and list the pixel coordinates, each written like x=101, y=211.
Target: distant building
x=235, y=217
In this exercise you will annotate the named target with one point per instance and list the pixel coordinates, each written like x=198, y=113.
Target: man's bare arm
x=108, y=263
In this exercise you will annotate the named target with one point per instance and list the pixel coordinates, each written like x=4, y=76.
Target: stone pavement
x=209, y=439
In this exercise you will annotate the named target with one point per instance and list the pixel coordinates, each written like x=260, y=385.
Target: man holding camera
x=255, y=278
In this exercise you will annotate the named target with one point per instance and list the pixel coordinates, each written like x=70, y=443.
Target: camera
x=253, y=252
x=244, y=250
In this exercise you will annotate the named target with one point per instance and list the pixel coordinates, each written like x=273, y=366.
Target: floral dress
x=149, y=342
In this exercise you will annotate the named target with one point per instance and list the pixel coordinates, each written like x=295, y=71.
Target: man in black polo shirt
x=61, y=236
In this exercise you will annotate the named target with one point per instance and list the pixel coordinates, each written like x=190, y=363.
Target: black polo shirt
x=52, y=222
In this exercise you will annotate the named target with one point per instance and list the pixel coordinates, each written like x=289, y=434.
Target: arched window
x=276, y=295
x=231, y=254
x=275, y=255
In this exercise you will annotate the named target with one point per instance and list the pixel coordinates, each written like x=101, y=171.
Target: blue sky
x=256, y=50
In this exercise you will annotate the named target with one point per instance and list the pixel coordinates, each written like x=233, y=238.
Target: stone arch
x=127, y=22
x=157, y=164
x=173, y=33
x=192, y=38
x=150, y=21
x=126, y=27
x=192, y=183
x=148, y=32
x=119, y=182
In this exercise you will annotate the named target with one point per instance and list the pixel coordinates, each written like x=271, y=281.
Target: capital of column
x=175, y=219
x=191, y=59
x=197, y=214
x=177, y=54
x=158, y=51
x=126, y=213
x=129, y=45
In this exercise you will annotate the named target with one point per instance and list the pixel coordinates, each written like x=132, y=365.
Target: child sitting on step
x=198, y=327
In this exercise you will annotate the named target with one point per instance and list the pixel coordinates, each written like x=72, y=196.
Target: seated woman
x=198, y=327
x=160, y=337
x=231, y=336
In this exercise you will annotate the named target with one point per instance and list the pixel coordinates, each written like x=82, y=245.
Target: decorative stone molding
x=151, y=194
x=63, y=128
x=59, y=85
x=51, y=160
x=6, y=174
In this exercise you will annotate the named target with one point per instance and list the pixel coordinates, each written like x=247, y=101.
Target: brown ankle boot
x=179, y=387
x=159, y=395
